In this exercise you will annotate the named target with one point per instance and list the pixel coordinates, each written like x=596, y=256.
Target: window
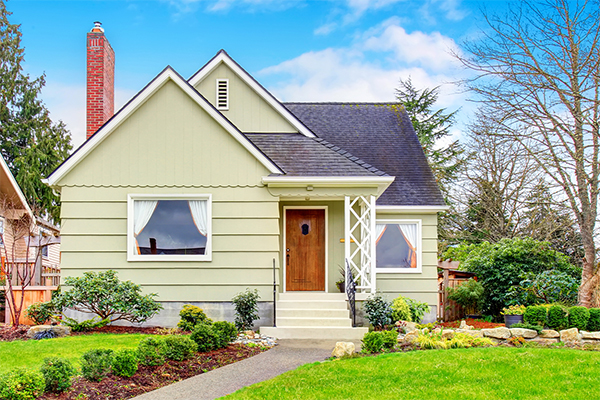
x=222, y=94
x=45, y=236
x=398, y=245
x=169, y=228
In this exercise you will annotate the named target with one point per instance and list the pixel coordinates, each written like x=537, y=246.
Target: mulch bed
x=8, y=334
x=151, y=378
x=475, y=323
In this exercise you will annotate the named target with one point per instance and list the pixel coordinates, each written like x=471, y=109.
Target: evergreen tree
x=31, y=144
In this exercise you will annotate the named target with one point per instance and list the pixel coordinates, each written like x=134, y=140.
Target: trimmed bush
x=58, y=374
x=390, y=338
x=192, y=316
x=536, y=315
x=227, y=332
x=125, y=363
x=21, y=384
x=205, y=337
x=179, y=347
x=401, y=310
x=537, y=328
x=372, y=342
x=594, y=321
x=40, y=313
x=151, y=351
x=557, y=317
x=246, y=309
x=96, y=364
x=578, y=317
x=378, y=310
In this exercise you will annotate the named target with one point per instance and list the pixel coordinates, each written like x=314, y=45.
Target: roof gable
x=10, y=189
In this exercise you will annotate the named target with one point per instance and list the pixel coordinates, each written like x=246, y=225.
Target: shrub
x=226, y=331
x=125, y=363
x=513, y=310
x=390, y=338
x=400, y=310
x=578, y=317
x=594, y=321
x=548, y=287
x=537, y=328
x=192, y=316
x=179, y=347
x=96, y=364
x=21, y=384
x=40, y=313
x=378, y=310
x=468, y=295
x=49, y=334
x=372, y=342
x=151, y=351
x=205, y=337
x=557, y=317
x=58, y=374
x=246, y=309
x=417, y=309
x=84, y=326
x=536, y=315
x=102, y=293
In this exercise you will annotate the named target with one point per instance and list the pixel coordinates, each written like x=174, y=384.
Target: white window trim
x=419, y=243
x=217, y=105
x=131, y=256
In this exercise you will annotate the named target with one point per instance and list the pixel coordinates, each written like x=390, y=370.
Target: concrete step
x=312, y=304
x=312, y=313
x=311, y=321
x=311, y=296
x=327, y=333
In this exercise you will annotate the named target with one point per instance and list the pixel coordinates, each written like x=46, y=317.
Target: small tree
x=105, y=295
x=468, y=295
x=246, y=309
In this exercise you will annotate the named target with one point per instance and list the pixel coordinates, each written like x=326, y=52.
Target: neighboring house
x=197, y=189
x=20, y=236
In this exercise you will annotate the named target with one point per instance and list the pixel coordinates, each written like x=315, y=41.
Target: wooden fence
x=450, y=277
x=32, y=295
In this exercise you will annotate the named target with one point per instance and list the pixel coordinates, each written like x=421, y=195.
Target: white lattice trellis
x=360, y=240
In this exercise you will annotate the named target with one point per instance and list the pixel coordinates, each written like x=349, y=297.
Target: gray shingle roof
x=383, y=136
x=298, y=155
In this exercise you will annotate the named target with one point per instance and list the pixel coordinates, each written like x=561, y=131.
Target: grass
x=490, y=373
x=30, y=353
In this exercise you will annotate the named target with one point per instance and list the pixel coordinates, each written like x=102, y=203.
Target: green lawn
x=491, y=373
x=30, y=353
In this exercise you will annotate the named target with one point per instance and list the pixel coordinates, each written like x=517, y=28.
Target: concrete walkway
x=289, y=354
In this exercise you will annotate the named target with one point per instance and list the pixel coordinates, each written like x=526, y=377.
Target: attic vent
x=222, y=94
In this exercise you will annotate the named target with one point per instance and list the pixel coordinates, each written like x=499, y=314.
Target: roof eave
x=433, y=209
x=380, y=182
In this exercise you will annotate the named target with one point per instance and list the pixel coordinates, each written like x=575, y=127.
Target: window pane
x=393, y=248
x=171, y=230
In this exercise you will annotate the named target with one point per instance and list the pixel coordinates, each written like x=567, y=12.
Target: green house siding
x=248, y=111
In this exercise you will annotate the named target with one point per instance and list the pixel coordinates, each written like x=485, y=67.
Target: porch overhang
x=332, y=187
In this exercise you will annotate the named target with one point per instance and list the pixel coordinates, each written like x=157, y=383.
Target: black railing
x=351, y=292
x=274, y=297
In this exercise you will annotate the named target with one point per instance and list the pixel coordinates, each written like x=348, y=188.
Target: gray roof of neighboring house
x=298, y=155
x=382, y=135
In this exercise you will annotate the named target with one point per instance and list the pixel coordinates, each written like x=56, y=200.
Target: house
x=21, y=234
x=198, y=189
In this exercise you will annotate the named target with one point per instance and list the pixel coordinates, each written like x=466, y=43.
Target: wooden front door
x=305, y=250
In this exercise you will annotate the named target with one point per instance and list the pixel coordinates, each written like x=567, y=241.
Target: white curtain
x=198, y=208
x=142, y=212
x=379, y=229
x=410, y=233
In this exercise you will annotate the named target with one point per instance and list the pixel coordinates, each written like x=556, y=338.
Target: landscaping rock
x=590, y=335
x=549, y=334
x=343, y=349
x=407, y=326
x=524, y=333
x=570, y=336
x=544, y=341
x=592, y=342
x=447, y=335
x=497, y=333
x=463, y=325
x=60, y=330
x=437, y=331
x=474, y=332
x=411, y=336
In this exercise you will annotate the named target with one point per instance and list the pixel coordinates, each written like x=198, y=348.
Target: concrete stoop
x=313, y=315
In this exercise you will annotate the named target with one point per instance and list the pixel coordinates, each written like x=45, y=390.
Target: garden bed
x=8, y=334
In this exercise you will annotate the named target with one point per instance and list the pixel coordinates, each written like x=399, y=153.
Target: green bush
x=192, y=316
x=468, y=295
x=417, y=309
x=179, y=347
x=84, y=326
x=372, y=342
x=536, y=315
x=205, y=337
x=578, y=317
x=96, y=364
x=390, y=338
x=377, y=310
x=125, y=363
x=400, y=310
x=151, y=351
x=557, y=317
x=58, y=374
x=594, y=321
x=40, y=313
x=102, y=293
x=227, y=332
x=21, y=384
x=547, y=287
x=246, y=309
x=537, y=328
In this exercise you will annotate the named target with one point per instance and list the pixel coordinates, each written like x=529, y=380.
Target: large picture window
x=398, y=246
x=169, y=228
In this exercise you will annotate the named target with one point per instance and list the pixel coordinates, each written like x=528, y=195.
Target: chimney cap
x=97, y=27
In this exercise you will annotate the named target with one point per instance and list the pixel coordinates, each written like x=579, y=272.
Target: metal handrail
x=351, y=292
x=274, y=297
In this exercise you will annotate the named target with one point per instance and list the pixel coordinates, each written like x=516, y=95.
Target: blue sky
x=352, y=50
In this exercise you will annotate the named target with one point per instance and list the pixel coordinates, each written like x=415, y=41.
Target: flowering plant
x=513, y=310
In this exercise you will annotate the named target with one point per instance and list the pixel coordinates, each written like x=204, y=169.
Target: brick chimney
x=100, y=79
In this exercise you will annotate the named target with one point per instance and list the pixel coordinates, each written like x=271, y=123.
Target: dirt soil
x=150, y=378
x=475, y=323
